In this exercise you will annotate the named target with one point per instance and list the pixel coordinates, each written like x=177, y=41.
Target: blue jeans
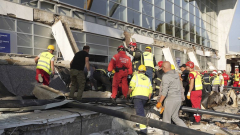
x=139, y=107
x=149, y=73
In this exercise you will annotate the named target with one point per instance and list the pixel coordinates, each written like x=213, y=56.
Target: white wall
x=20, y=11
x=226, y=10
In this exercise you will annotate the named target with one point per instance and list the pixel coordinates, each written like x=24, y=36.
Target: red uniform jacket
x=120, y=60
x=225, y=77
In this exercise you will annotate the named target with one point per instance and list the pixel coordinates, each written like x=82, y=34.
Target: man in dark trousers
x=77, y=65
x=158, y=79
x=137, y=56
x=207, y=81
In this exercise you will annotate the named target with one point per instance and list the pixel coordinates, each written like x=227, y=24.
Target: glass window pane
x=79, y=37
x=192, y=28
x=22, y=50
x=185, y=25
x=159, y=26
x=115, y=43
x=178, y=32
x=98, y=6
x=192, y=18
x=29, y=3
x=185, y=4
x=185, y=35
x=158, y=54
x=197, y=21
x=197, y=12
x=122, y=2
x=98, y=50
x=192, y=37
x=159, y=3
x=80, y=45
x=42, y=31
x=203, y=41
x=112, y=51
x=168, y=18
x=150, y=1
x=77, y=3
x=7, y=24
x=177, y=11
x=168, y=6
x=116, y=11
x=147, y=8
x=198, y=39
x=169, y=29
x=64, y=11
x=147, y=21
x=177, y=2
x=133, y=17
x=24, y=27
x=177, y=21
x=191, y=9
x=96, y=39
x=40, y=42
x=47, y=6
x=134, y=4
x=198, y=30
x=38, y=51
x=24, y=40
x=159, y=14
x=185, y=15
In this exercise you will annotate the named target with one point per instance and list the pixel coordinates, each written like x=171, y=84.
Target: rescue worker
x=78, y=80
x=236, y=78
x=141, y=90
x=157, y=79
x=221, y=81
x=45, y=66
x=225, y=77
x=206, y=79
x=149, y=62
x=195, y=90
x=103, y=81
x=137, y=56
x=122, y=65
x=215, y=81
x=185, y=82
x=171, y=90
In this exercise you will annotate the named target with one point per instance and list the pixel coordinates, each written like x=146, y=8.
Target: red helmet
x=190, y=64
x=160, y=63
x=214, y=70
x=202, y=73
x=121, y=48
x=132, y=44
x=205, y=71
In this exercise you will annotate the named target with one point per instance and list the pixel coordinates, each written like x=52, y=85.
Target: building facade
x=200, y=25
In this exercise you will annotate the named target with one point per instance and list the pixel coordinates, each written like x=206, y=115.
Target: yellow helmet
x=141, y=68
x=172, y=67
x=113, y=71
x=51, y=47
x=148, y=47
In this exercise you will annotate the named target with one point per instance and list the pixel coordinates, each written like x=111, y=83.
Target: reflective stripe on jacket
x=148, y=59
x=216, y=80
x=197, y=81
x=44, y=62
x=206, y=79
x=141, y=85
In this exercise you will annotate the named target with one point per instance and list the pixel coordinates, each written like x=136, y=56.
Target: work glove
x=161, y=110
x=159, y=105
x=109, y=74
x=89, y=74
x=188, y=95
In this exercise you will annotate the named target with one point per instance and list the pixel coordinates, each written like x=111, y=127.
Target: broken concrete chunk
x=45, y=92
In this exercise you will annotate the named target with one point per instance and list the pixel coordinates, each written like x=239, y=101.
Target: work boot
x=114, y=101
x=40, y=79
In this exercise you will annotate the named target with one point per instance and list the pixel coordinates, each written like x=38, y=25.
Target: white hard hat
x=219, y=72
x=214, y=72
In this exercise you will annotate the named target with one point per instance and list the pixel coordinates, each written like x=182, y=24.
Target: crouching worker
x=171, y=90
x=141, y=90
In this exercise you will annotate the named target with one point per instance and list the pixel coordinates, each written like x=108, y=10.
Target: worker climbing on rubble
x=206, y=79
x=103, y=80
x=122, y=64
x=78, y=80
x=141, y=90
x=157, y=79
x=195, y=89
x=137, y=56
x=236, y=78
x=149, y=62
x=225, y=77
x=221, y=81
x=215, y=81
x=171, y=92
x=45, y=66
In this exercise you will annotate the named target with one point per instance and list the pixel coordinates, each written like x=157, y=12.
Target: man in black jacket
x=137, y=56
